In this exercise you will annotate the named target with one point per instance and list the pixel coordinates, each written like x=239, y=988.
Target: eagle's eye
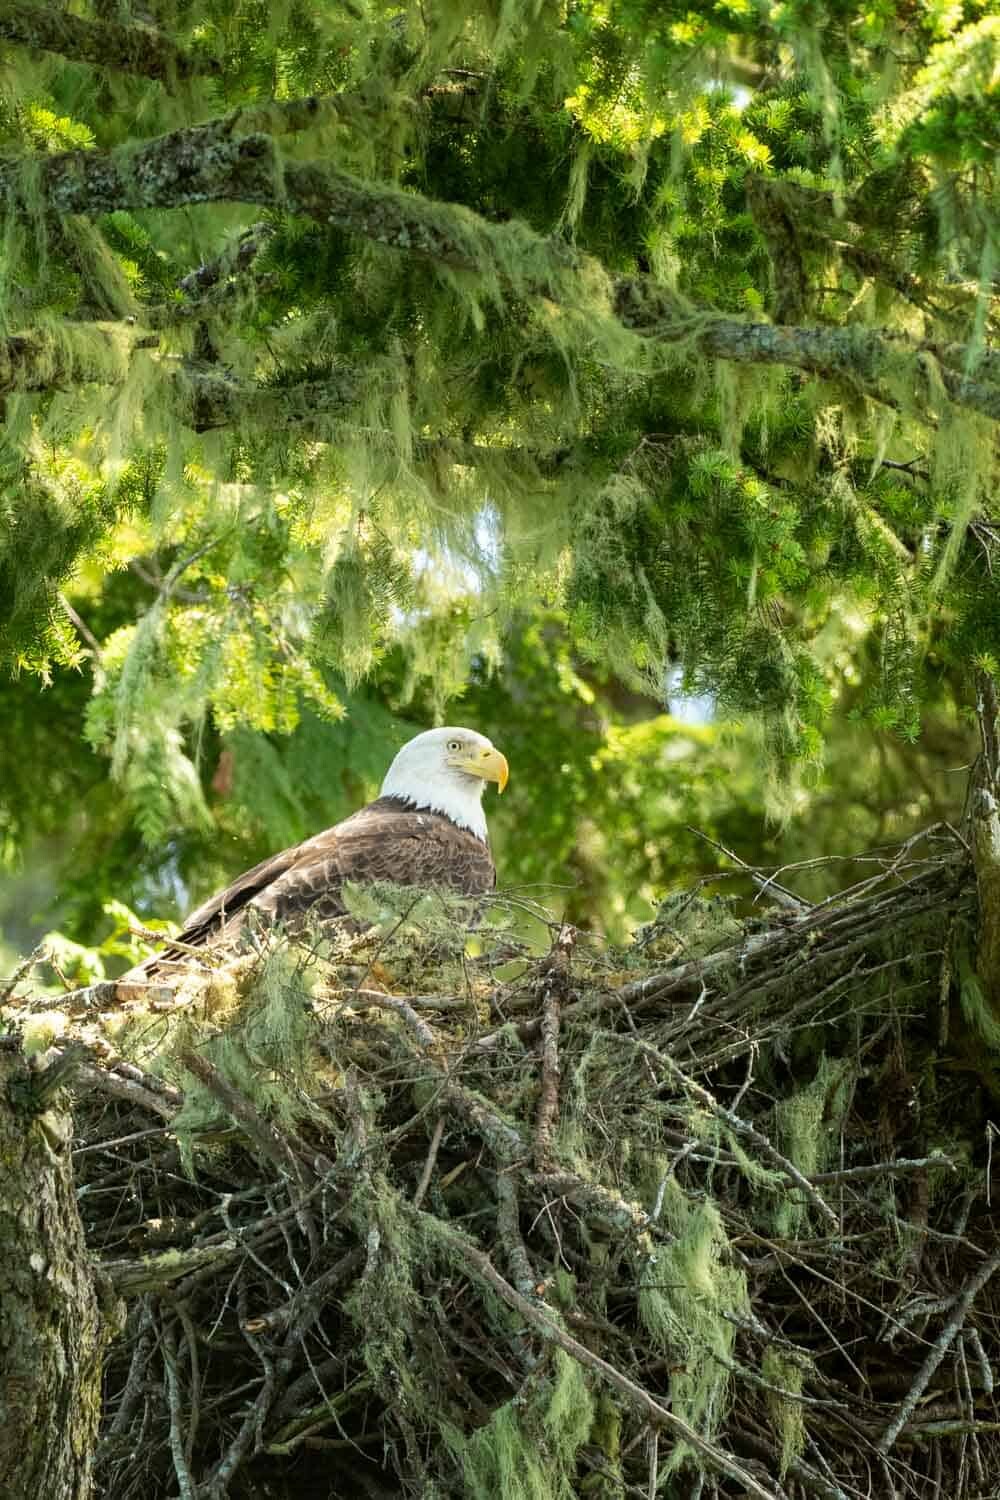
x=454, y=745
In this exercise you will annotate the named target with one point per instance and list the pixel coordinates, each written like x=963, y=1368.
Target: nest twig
x=721, y=1211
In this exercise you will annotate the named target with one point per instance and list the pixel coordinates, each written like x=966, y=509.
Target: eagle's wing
x=384, y=841
x=218, y=910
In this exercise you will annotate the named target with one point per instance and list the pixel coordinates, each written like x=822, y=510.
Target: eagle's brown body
x=384, y=841
x=426, y=829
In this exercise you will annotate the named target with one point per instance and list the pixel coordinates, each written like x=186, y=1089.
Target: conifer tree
x=350, y=331
x=648, y=344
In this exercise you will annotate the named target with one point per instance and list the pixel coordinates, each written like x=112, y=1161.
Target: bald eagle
x=426, y=828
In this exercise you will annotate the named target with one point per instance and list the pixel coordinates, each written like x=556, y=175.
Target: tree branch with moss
x=102, y=43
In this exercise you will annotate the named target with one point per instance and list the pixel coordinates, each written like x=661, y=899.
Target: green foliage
x=375, y=420
x=76, y=964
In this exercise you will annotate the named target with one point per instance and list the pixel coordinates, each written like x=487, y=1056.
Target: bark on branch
x=105, y=44
x=874, y=364
x=213, y=163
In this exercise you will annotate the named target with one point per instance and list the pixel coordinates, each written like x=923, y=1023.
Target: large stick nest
x=707, y=1217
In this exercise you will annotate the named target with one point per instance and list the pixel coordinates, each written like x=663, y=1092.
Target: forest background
x=615, y=378
x=620, y=378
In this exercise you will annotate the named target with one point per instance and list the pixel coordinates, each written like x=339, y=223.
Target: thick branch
x=213, y=163
x=210, y=164
x=106, y=44
x=89, y=1076
x=153, y=1273
x=875, y=364
x=217, y=400
x=208, y=398
x=938, y=1350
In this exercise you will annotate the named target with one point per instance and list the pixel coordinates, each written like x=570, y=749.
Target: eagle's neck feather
x=460, y=804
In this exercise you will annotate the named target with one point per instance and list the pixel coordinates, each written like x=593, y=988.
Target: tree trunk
x=53, y=1327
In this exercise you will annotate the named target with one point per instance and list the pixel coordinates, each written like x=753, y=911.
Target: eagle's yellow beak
x=489, y=764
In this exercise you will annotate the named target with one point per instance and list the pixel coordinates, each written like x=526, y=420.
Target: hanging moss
x=254, y=1022
x=806, y=1130
x=529, y=1446
x=785, y=1375
x=686, y=1290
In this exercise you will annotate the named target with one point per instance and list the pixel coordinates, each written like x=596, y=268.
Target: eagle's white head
x=446, y=770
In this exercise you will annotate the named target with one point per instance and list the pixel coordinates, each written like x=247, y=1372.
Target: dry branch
x=940, y=1348
x=554, y=982
x=117, y=1086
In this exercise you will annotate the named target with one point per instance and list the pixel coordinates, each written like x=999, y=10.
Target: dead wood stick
x=276, y=1371
x=152, y=1273
x=142, y=1351
x=306, y=1304
x=510, y=1148
x=541, y=1319
x=606, y=1205
x=373, y=999
x=883, y=1168
x=194, y=1379
x=426, y=1174
x=362, y=999
x=289, y=1407
x=119, y=1140
x=509, y=1229
x=983, y=1366
x=503, y=1138
x=149, y=1081
x=88, y=1076
x=304, y=1423
x=938, y=1351
x=553, y=982
x=182, y=1471
x=149, y=935
x=548, y=1097
x=767, y=885
x=808, y=1478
